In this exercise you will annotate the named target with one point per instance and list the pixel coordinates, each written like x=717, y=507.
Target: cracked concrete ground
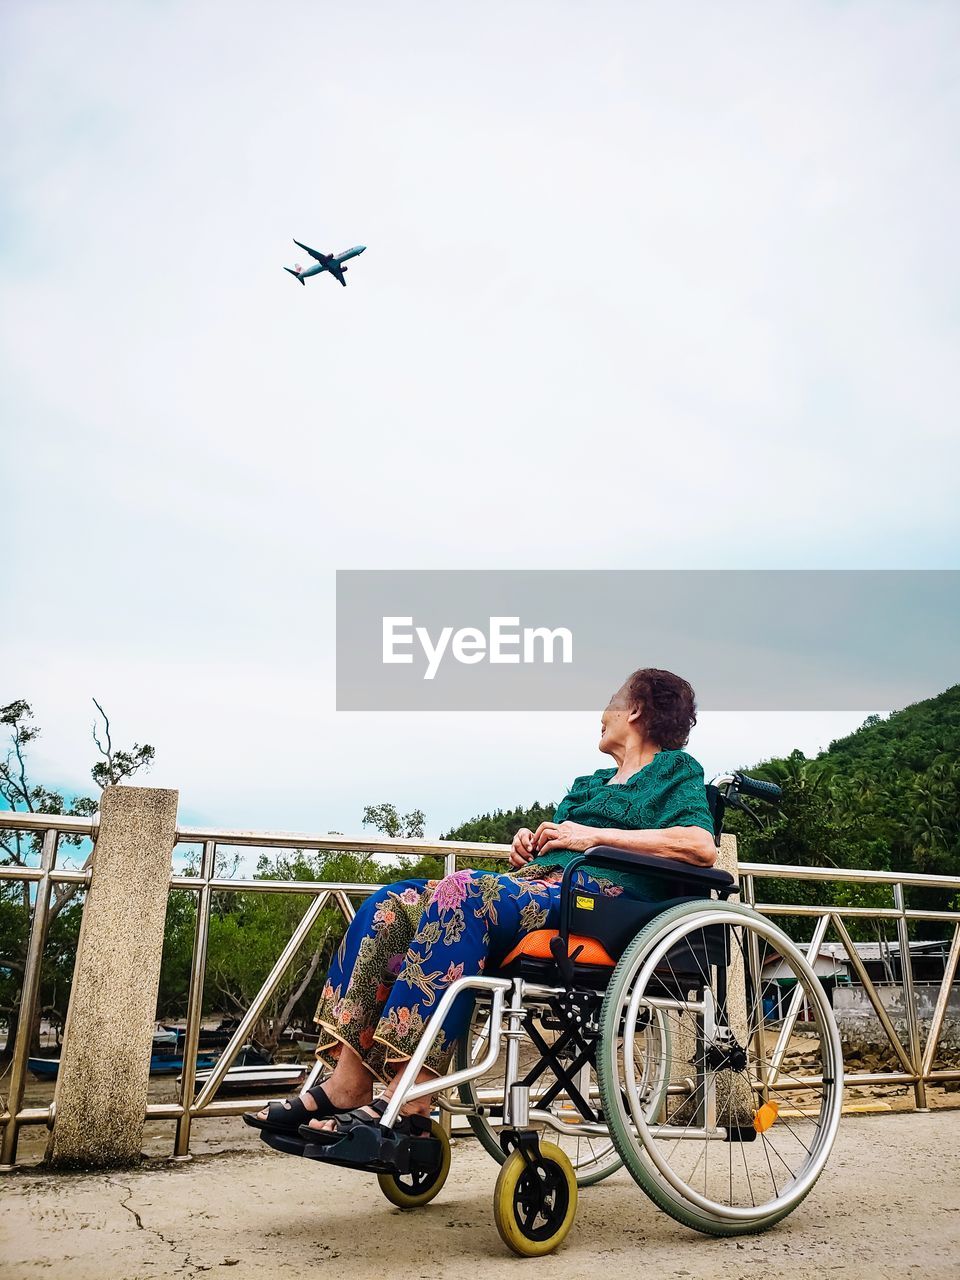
x=887, y=1206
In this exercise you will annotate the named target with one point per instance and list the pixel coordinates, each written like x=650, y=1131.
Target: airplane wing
x=312, y=252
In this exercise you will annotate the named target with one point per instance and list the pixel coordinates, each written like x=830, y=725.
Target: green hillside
x=914, y=738
x=886, y=796
x=500, y=826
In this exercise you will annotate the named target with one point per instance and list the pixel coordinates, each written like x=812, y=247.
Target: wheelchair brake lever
x=736, y=802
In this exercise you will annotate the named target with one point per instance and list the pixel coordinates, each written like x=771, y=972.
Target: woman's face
x=617, y=722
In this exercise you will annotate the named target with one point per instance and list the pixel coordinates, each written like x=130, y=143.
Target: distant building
x=833, y=967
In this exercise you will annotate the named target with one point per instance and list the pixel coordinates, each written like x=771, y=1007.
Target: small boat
x=165, y=1064
x=272, y=1078
x=161, y=1064
x=215, y=1038
x=44, y=1068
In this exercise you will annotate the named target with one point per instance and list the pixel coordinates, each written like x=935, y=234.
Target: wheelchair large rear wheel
x=593, y=1156
x=752, y=1106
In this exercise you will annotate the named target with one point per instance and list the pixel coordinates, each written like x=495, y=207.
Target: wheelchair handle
x=732, y=785
x=759, y=788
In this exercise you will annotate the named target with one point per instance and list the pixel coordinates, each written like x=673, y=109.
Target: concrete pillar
x=734, y=1098
x=101, y=1092
x=727, y=858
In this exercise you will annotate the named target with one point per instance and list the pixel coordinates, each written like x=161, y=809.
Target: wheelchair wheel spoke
x=766, y=1152
x=746, y=1166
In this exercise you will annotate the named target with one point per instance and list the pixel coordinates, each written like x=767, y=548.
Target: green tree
x=19, y=792
x=388, y=821
x=247, y=937
x=250, y=928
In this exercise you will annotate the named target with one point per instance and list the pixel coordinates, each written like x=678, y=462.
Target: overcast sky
x=647, y=285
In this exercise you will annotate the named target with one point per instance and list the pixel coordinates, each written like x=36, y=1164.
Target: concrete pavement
x=888, y=1206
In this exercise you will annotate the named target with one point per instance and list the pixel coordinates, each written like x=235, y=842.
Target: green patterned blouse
x=668, y=792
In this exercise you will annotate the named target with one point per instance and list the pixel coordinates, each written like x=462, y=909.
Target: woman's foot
x=418, y=1107
x=341, y=1097
x=349, y=1085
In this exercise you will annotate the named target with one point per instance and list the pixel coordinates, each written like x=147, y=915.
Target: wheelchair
x=633, y=1035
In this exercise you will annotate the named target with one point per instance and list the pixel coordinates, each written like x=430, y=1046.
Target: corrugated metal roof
x=874, y=951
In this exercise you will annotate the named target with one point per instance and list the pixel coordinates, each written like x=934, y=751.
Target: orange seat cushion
x=537, y=946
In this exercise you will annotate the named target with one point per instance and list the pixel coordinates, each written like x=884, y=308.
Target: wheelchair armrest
x=668, y=868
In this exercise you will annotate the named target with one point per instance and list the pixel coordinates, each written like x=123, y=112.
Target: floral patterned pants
x=409, y=941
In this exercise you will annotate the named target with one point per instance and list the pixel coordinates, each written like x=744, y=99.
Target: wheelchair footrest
x=289, y=1143
x=379, y=1150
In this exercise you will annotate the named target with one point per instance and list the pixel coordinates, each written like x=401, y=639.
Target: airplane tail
x=297, y=274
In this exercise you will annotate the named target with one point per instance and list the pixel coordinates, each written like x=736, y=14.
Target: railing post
x=28, y=1000
x=259, y=1003
x=734, y=1093
x=909, y=999
x=101, y=1093
x=198, y=969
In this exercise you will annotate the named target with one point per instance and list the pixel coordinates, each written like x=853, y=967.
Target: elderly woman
x=412, y=939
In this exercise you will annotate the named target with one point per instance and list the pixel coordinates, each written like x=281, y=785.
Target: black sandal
x=345, y=1122
x=289, y=1115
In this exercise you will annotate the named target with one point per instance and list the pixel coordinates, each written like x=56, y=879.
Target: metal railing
x=43, y=878
x=915, y=1058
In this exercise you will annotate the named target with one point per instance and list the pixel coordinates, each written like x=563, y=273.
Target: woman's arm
x=685, y=844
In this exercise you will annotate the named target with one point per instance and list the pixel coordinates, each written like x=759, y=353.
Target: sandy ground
x=888, y=1205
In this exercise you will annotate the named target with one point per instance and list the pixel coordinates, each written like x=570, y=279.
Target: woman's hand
x=523, y=848
x=565, y=835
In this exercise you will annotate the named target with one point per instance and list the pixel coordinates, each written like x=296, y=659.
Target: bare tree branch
x=285, y=1014
x=18, y=747
x=105, y=751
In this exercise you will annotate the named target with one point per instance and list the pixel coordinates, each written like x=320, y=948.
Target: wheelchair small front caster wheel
x=419, y=1186
x=534, y=1204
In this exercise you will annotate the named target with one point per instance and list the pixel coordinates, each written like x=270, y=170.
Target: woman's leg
x=361, y=976
x=364, y=970
x=471, y=918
